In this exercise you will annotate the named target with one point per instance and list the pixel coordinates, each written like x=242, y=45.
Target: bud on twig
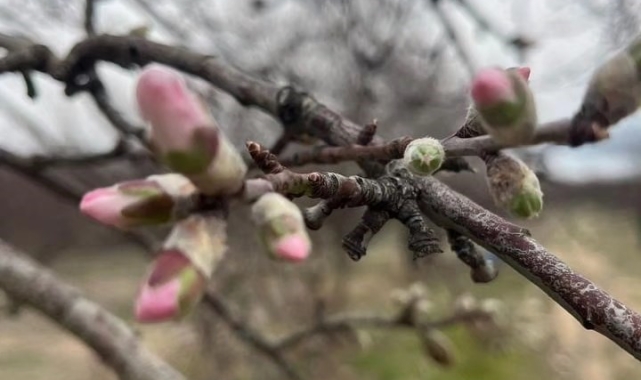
x=513, y=186
x=184, y=136
x=173, y=287
x=424, y=156
x=136, y=203
x=437, y=346
x=281, y=227
x=178, y=277
x=614, y=92
x=505, y=104
x=484, y=273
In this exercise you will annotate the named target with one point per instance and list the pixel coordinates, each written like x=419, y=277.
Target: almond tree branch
x=351, y=321
x=556, y=132
x=248, y=335
x=89, y=17
x=450, y=31
x=99, y=93
x=120, y=151
x=110, y=337
x=303, y=115
x=211, y=300
x=583, y=299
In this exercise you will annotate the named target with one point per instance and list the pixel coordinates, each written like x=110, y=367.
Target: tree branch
x=556, y=132
x=248, y=335
x=106, y=334
x=591, y=306
x=303, y=115
x=351, y=321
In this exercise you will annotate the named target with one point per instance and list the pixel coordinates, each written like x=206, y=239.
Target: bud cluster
x=206, y=166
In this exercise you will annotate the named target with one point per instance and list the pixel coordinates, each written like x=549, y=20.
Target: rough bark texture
x=591, y=306
x=302, y=115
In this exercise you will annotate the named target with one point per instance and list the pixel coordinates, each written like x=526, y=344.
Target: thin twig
x=245, y=333
x=347, y=321
x=89, y=17
x=119, y=151
x=452, y=34
x=555, y=132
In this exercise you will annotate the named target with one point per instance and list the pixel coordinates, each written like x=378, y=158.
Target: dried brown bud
x=438, y=347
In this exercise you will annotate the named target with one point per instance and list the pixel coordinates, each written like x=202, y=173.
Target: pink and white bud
x=136, y=203
x=178, y=277
x=281, y=228
x=185, y=136
x=491, y=87
x=505, y=104
x=172, y=289
x=173, y=111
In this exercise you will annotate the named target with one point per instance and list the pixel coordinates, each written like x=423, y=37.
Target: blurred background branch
x=384, y=59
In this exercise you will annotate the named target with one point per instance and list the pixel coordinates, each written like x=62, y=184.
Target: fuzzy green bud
x=424, y=156
x=514, y=186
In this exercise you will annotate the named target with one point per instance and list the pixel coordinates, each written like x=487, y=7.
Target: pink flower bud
x=492, y=86
x=136, y=203
x=292, y=248
x=178, y=277
x=184, y=136
x=173, y=112
x=524, y=71
x=281, y=227
x=171, y=290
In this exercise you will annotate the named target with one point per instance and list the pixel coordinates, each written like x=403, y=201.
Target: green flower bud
x=514, y=186
x=424, y=156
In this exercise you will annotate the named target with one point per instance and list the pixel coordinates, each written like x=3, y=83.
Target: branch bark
x=109, y=336
x=303, y=115
x=583, y=299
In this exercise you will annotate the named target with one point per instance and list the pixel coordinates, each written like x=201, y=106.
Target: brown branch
x=89, y=17
x=99, y=93
x=301, y=114
x=248, y=335
x=450, y=31
x=211, y=300
x=518, y=42
x=21, y=47
x=120, y=151
x=101, y=99
x=116, y=344
x=555, y=132
x=591, y=306
x=393, y=194
x=351, y=321
x=333, y=155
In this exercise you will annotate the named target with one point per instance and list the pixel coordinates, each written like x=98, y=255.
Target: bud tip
x=491, y=86
x=102, y=205
x=158, y=303
x=293, y=248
